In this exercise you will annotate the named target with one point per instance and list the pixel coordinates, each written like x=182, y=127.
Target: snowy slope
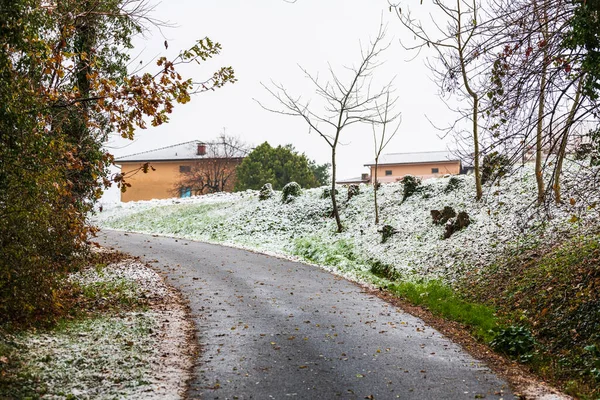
x=504, y=220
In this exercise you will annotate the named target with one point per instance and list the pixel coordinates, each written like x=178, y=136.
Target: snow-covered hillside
x=505, y=219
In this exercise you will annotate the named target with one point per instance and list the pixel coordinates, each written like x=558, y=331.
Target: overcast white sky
x=266, y=40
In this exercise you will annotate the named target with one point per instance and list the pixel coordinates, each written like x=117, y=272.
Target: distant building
x=364, y=178
x=170, y=165
x=393, y=167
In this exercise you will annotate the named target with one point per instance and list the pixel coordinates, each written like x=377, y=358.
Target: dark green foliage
x=495, y=166
x=515, y=341
x=454, y=183
x=591, y=361
x=64, y=87
x=266, y=192
x=353, y=190
x=327, y=193
x=290, y=192
x=386, y=232
x=384, y=270
x=410, y=186
x=584, y=36
x=556, y=291
x=277, y=166
x=321, y=172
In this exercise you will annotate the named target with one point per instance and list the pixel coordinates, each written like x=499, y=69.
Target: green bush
x=410, y=186
x=515, y=341
x=386, y=232
x=384, y=270
x=290, y=192
x=326, y=194
x=266, y=192
x=353, y=190
x=454, y=183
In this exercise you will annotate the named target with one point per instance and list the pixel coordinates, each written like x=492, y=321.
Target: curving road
x=275, y=329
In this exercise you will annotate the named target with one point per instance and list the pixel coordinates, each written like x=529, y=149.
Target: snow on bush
x=290, y=192
x=507, y=217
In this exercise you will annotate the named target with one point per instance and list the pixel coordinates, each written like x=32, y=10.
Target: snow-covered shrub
x=326, y=194
x=386, y=232
x=353, y=190
x=516, y=342
x=290, y=192
x=495, y=165
x=410, y=185
x=454, y=183
x=266, y=192
x=384, y=270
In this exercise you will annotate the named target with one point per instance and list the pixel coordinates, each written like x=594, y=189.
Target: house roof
x=176, y=152
x=352, y=180
x=415, y=158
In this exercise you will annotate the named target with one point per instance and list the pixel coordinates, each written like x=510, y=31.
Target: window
x=185, y=168
x=435, y=170
x=185, y=192
x=388, y=172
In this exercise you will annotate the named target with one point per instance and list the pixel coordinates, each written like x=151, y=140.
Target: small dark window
x=435, y=170
x=388, y=172
x=185, y=168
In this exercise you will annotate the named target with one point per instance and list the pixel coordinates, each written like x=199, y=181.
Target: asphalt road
x=275, y=329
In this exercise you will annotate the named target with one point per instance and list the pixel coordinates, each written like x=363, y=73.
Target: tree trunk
x=478, y=189
x=336, y=213
x=475, y=97
x=538, y=136
x=375, y=188
x=541, y=107
x=563, y=144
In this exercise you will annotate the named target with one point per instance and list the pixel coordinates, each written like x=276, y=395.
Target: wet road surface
x=276, y=329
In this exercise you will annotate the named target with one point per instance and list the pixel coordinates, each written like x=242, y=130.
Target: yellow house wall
x=422, y=170
x=158, y=184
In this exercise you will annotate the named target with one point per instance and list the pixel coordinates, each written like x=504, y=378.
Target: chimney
x=201, y=149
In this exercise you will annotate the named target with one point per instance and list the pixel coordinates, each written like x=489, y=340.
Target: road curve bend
x=276, y=329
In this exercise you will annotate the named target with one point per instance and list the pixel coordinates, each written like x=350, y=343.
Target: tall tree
x=382, y=139
x=275, y=165
x=64, y=86
x=456, y=67
x=320, y=171
x=537, y=97
x=347, y=101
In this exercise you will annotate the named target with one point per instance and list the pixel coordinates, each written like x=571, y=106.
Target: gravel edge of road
x=178, y=345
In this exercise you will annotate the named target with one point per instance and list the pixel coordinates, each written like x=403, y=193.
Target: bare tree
x=457, y=53
x=535, y=99
x=381, y=140
x=215, y=171
x=346, y=103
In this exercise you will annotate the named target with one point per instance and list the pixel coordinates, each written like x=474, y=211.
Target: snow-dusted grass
x=122, y=349
x=95, y=358
x=505, y=219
